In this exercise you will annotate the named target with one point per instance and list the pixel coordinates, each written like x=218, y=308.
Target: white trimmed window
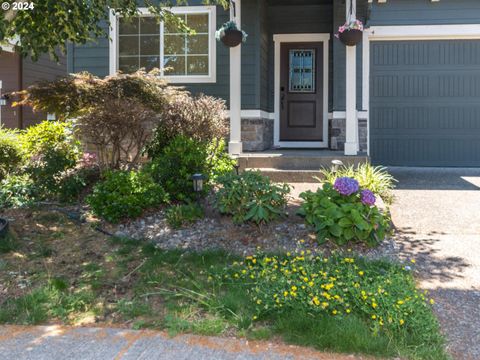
x=142, y=42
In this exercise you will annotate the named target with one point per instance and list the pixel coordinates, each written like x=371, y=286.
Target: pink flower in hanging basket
x=350, y=25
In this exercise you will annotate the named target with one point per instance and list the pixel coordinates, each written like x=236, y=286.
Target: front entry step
x=295, y=166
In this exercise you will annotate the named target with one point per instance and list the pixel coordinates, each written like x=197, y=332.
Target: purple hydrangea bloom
x=346, y=186
x=367, y=197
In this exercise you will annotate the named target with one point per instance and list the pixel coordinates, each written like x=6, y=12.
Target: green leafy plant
x=11, y=155
x=125, y=194
x=184, y=157
x=52, y=149
x=251, y=196
x=381, y=294
x=342, y=215
x=375, y=178
x=182, y=214
x=17, y=191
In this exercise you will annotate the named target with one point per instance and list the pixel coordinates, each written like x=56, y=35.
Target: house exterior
x=408, y=94
x=17, y=73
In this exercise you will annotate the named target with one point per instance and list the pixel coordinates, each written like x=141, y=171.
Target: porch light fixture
x=336, y=165
x=198, y=182
x=3, y=100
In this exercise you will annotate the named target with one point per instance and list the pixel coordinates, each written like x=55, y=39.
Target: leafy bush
x=184, y=157
x=125, y=194
x=180, y=215
x=251, y=196
x=343, y=213
x=381, y=294
x=376, y=179
x=200, y=118
x=74, y=183
x=52, y=149
x=11, y=156
x=115, y=114
x=17, y=191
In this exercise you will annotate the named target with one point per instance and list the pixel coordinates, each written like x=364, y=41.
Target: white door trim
x=286, y=38
x=407, y=32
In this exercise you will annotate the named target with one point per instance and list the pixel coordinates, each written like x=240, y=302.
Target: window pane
x=197, y=65
x=128, y=64
x=149, y=25
x=150, y=45
x=302, y=70
x=198, y=22
x=198, y=44
x=150, y=62
x=174, y=44
x=128, y=26
x=172, y=27
x=174, y=65
x=128, y=45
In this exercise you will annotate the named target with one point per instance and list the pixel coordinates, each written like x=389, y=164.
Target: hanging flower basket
x=230, y=35
x=3, y=227
x=350, y=33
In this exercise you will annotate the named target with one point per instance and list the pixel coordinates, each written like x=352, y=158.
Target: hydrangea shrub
x=344, y=212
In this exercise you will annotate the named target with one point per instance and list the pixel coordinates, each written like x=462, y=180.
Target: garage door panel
x=425, y=103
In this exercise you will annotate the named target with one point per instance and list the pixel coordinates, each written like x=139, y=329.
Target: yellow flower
x=254, y=261
x=324, y=304
x=294, y=288
x=348, y=311
x=413, y=261
x=305, y=279
x=334, y=312
x=374, y=305
x=400, y=302
x=255, y=317
x=432, y=301
x=374, y=317
x=361, y=273
x=402, y=321
x=285, y=293
x=310, y=283
x=316, y=301
x=259, y=302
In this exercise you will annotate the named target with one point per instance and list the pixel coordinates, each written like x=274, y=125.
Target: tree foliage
x=51, y=24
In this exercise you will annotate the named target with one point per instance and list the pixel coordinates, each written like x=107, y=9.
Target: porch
x=295, y=165
x=303, y=80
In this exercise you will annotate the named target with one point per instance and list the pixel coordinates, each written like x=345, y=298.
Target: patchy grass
x=58, y=271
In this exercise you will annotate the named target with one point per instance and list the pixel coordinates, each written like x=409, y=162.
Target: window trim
x=175, y=79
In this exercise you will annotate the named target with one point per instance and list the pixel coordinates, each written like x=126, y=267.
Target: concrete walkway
x=62, y=343
x=437, y=217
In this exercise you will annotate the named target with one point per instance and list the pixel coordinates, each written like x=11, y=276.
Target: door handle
x=282, y=97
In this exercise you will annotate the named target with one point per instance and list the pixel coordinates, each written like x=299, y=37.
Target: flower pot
x=351, y=37
x=232, y=38
x=3, y=227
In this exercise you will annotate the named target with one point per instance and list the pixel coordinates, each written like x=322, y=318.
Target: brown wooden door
x=301, y=92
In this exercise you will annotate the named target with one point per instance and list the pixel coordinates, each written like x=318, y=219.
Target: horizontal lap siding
x=424, y=103
x=9, y=74
x=423, y=12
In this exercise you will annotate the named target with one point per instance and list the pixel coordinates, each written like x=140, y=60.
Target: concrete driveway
x=437, y=218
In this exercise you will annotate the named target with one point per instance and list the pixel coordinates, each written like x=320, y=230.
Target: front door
x=301, y=92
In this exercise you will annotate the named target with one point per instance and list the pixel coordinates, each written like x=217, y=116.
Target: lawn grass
x=88, y=278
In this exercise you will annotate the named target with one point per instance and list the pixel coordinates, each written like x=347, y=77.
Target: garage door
x=425, y=103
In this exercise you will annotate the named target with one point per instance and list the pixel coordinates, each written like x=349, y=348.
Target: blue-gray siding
x=424, y=108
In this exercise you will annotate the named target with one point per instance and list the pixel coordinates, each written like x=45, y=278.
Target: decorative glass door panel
x=302, y=71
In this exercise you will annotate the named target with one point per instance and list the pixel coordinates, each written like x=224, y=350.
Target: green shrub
x=75, y=182
x=251, y=196
x=344, y=213
x=17, y=191
x=200, y=118
x=52, y=149
x=125, y=194
x=376, y=179
x=180, y=215
x=382, y=294
x=11, y=157
x=184, y=157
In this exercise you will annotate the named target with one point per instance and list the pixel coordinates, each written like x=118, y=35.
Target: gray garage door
x=425, y=103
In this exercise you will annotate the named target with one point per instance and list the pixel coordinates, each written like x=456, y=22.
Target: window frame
x=176, y=79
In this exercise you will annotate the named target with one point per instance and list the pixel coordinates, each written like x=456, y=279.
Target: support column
x=235, y=144
x=351, y=128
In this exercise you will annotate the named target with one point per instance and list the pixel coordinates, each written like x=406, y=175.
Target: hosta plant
x=343, y=212
x=251, y=196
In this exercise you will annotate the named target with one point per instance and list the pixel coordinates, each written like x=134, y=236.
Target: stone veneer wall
x=337, y=134
x=257, y=134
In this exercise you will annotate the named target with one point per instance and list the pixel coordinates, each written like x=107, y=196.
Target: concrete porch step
x=290, y=176
x=296, y=159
